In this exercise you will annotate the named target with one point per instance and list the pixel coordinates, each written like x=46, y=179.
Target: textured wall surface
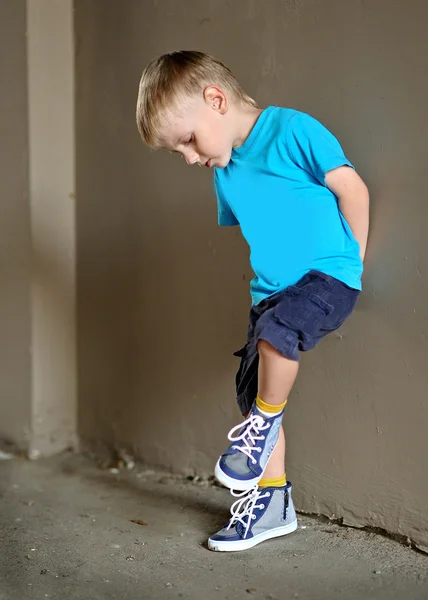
x=38, y=407
x=52, y=206
x=15, y=362
x=163, y=292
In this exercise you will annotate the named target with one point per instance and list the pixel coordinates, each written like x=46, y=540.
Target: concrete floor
x=66, y=533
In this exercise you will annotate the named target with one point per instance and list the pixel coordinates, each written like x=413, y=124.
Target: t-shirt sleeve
x=313, y=148
x=225, y=214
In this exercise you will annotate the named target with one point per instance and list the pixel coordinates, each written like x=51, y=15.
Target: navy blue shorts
x=293, y=320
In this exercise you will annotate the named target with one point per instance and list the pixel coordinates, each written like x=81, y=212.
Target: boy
x=303, y=210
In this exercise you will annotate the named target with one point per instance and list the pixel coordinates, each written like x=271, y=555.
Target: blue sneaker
x=262, y=514
x=243, y=463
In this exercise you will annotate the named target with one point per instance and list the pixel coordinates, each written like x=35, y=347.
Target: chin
x=222, y=162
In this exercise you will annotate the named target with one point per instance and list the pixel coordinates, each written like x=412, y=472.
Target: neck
x=246, y=117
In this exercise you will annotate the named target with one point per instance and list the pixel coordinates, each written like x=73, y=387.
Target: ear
x=216, y=99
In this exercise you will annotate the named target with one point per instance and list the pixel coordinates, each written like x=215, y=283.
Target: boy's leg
x=276, y=465
x=266, y=510
x=245, y=462
x=276, y=377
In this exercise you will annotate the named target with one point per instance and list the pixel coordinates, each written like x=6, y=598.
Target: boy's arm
x=353, y=197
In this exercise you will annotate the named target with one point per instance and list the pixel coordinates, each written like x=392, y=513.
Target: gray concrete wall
x=52, y=205
x=15, y=363
x=163, y=292
x=38, y=408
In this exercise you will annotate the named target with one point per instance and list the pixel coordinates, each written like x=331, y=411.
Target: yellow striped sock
x=269, y=408
x=275, y=482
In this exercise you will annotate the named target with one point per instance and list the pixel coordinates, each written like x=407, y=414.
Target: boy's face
x=201, y=132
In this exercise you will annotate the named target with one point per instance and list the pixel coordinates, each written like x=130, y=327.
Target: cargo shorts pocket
x=301, y=310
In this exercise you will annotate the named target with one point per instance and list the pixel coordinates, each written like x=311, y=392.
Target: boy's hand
x=353, y=197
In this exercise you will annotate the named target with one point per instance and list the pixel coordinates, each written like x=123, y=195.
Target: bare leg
x=277, y=375
x=276, y=465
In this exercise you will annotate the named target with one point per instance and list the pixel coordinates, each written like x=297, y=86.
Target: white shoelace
x=242, y=509
x=250, y=435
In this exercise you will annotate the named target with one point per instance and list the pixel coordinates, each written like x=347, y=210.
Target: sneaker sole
x=234, y=484
x=238, y=484
x=236, y=546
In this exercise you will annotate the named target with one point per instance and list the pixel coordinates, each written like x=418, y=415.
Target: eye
x=189, y=140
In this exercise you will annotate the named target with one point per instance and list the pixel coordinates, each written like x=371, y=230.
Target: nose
x=191, y=157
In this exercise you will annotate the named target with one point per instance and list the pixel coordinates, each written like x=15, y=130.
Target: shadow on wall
x=162, y=292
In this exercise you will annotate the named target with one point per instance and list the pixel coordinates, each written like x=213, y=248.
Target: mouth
x=208, y=163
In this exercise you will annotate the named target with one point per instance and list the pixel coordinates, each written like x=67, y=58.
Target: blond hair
x=176, y=76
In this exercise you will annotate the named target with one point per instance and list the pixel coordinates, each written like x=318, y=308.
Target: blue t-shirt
x=274, y=188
